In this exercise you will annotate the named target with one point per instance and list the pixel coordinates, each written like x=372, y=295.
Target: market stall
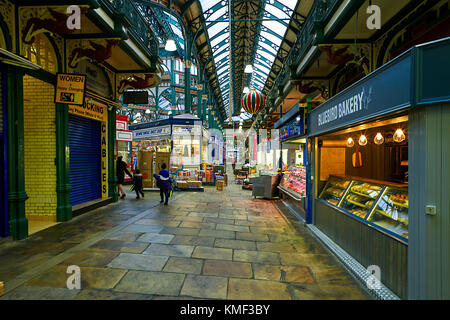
x=175, y=141
x=375, y=150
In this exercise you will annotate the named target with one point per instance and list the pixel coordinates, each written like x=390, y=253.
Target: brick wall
x=40, y=148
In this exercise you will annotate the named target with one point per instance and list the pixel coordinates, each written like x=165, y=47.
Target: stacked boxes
x=145, y=164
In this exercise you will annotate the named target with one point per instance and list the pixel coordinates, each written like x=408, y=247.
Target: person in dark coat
x=138, y=183
x=164, y=183
x=121, y=169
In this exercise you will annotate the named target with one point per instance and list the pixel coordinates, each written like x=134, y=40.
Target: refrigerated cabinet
x=381, y=205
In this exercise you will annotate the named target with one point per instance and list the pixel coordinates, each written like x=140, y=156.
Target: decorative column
x=187, y=76
x=112, y=178
x=308, y=166
x=18, y=223
x=173, y=95
x=63, y=187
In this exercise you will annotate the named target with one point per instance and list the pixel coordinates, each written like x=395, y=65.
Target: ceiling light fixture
x=170, y=45
x=399, y=136
x=246, y=90
x=362, y=140
x=147, y=111
x=350, y=142
x=379, y=139
x=248, y=68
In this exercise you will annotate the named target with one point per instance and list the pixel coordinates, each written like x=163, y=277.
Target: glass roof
x=269, y=41
x=216, y=16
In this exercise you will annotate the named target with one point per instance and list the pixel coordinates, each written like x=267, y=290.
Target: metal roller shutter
x=85, y=161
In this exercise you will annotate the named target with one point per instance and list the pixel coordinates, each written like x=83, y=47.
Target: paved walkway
x=211, y=245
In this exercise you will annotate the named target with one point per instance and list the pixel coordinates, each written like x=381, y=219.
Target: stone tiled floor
x=211, y=245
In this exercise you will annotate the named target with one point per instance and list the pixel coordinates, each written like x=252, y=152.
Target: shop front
x=292, y=139
x=124, y=144
x=371, y=189
x=88, y=152
x=175, y=141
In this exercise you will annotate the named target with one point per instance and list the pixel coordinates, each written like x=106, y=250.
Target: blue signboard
x=294, y=127
x=384, y=91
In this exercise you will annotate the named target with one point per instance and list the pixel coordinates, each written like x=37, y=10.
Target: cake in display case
x=391, y=212
x=381, y=206
x=360, y=198
x=334, y=189
x=294, y=179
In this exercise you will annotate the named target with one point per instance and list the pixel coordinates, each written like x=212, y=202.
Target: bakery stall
x=377, y=171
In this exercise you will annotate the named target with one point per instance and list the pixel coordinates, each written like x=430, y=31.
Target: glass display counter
x=294, y=179
x=334, y=190
x=382, y=206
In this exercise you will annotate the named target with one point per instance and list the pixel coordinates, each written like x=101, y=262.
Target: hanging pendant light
x=350, y=142
x=246, y=90
x=147, y=111
x=399, y=136
x=248, y=68
x=362, y=140
x=379, y=139
x=170, y=45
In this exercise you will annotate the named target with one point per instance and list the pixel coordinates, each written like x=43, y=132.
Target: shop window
x=41, y=52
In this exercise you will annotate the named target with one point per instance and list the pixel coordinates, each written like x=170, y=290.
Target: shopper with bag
x=164, y=183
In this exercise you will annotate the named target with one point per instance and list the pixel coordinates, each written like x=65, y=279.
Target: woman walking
x=121, y=169
x=164, y=183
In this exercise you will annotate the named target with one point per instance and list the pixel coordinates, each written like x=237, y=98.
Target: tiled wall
x=40, y=149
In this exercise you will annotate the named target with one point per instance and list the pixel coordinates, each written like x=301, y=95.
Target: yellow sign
x=70, y=88
x=92, y=109
x=104, y=162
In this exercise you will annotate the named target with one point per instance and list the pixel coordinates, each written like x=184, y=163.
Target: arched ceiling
x=261, y=33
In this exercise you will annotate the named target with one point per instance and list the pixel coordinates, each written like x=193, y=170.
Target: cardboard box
x=219, y=185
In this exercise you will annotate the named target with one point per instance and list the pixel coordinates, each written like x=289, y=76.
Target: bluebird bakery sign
x=386, y=90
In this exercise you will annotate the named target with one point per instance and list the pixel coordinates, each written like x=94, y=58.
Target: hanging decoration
x=253, y=102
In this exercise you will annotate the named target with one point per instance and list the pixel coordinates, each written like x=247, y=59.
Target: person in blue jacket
x=164, y=183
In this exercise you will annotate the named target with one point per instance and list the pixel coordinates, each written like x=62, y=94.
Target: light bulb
x=379, y=139
x=147, y=111
x=246, y=90
x=399, y=136
x=350, y=142
x=248, y=69
x=362, y=140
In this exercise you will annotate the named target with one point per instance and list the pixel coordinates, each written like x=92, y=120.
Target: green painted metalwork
x=63, y=187
x=18, y=223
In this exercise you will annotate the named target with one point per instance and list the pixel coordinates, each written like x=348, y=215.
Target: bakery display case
x=334, y=189
x=382, y=206
x=294, y=179
x=360, y=198
x=391, y=211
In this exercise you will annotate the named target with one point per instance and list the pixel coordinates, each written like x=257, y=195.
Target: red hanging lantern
x=253, y=102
